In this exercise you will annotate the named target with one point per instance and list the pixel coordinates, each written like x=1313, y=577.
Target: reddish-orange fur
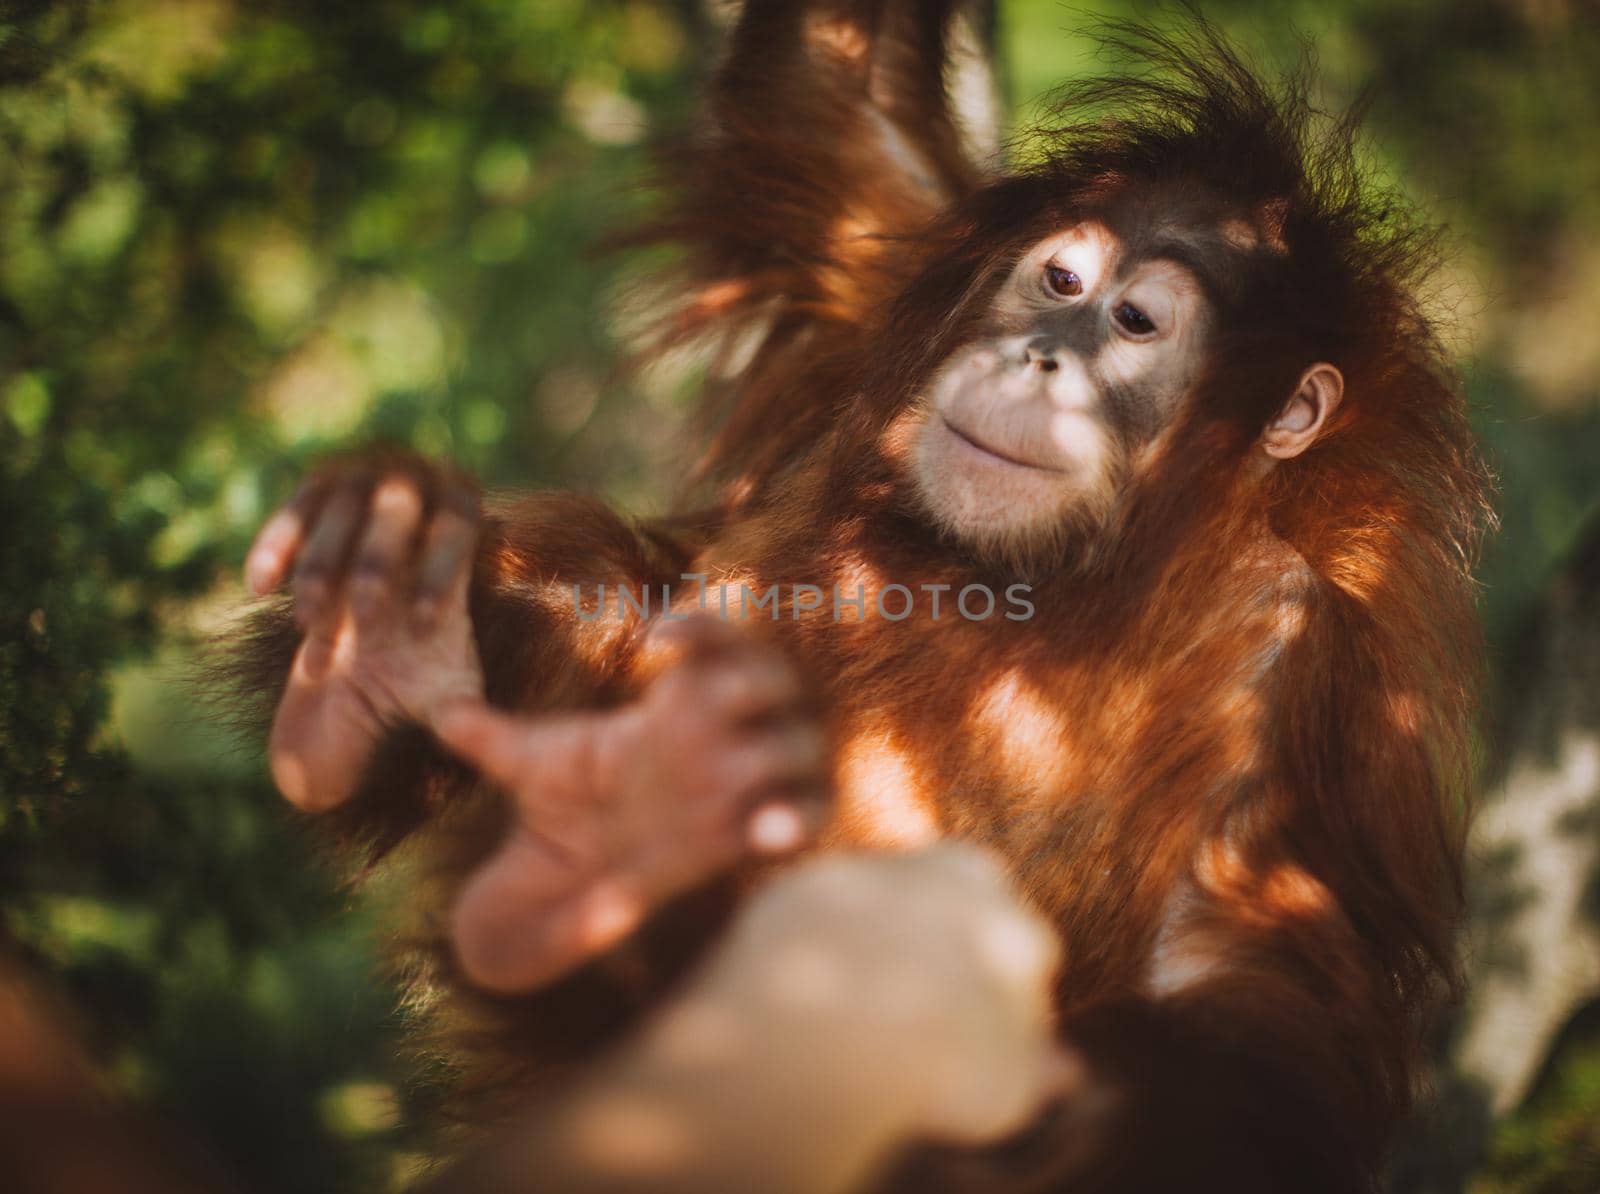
x=1229, y=755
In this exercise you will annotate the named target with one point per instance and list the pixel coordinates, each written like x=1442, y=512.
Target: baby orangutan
x=1119, y=513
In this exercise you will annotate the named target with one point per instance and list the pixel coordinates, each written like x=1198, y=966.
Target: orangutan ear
x=1307, y=412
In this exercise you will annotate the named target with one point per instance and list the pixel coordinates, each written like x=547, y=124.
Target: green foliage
x=1552, y=1144
x=231, y=237
x=234, y=235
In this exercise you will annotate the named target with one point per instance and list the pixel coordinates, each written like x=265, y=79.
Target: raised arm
x=827, y=133
x=827, y=142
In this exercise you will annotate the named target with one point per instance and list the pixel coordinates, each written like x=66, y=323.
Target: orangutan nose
x=1043, y=353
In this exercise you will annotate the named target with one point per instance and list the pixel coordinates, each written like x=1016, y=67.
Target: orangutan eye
x=1133, y=319
x=1062, y=281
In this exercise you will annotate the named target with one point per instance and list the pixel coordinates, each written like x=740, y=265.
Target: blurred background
x=234, y=235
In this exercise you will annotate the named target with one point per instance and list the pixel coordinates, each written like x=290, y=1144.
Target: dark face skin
x=1028, y=432
x=1026, y=436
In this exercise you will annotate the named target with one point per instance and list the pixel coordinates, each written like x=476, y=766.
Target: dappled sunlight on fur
x=881, y=794
x=1227, y=750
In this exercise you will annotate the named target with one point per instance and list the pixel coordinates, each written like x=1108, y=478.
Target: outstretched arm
x=857, y=1003
x=401, y=600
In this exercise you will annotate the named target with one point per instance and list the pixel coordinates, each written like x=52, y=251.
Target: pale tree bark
x=1534, y=938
